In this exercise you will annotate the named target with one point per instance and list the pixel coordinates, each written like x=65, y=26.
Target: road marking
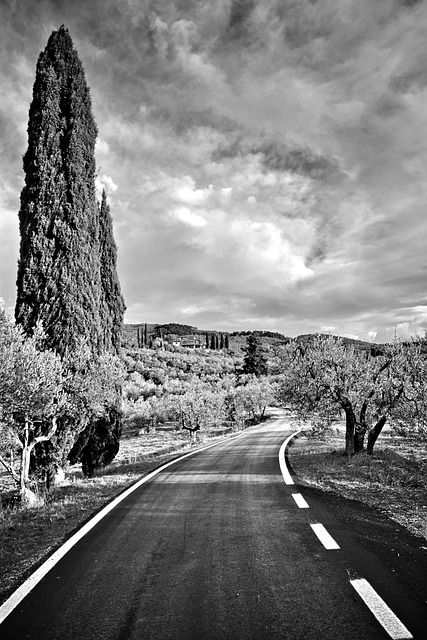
x=381, y=611
x=282, y=462
x=300, y=501
x=17, y=596
x=325, y=538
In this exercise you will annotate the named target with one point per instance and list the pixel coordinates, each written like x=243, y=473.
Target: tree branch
x=9, y=469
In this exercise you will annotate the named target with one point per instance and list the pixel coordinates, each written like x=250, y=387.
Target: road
x=214, y=547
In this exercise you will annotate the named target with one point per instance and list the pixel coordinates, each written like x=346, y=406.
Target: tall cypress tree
x=254, y=361
x=59, y=280
x=113, y=305
x=67, y=276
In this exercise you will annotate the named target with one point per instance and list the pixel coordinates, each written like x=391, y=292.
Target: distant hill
x=173, y=331
x=360, y=344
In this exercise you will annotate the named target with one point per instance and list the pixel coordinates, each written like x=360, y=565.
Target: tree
x=221, y=342
x=247, y=402
x=227, y=341
x=410, y=415
x=67, y=276
x=31, y=398
x=254, y=361
x=325, y=376
x=112, y=304
x=213, y=342
x=200, y=408
x=95, y=388
x=59, y=280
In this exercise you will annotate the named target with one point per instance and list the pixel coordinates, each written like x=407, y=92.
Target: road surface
x=216, y=546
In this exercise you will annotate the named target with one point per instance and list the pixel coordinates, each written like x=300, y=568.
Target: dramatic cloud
x=264, y=160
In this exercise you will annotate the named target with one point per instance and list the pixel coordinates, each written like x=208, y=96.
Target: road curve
x=215, y=547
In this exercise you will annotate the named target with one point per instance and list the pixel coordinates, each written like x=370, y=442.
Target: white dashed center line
x=325, y=538
x=381, y=611
x=300, y=501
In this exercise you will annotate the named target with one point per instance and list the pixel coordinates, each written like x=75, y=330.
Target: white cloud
x=186, y=191
x=188, y=217
x=107, y=183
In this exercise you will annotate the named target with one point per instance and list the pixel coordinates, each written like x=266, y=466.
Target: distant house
x=192, y=342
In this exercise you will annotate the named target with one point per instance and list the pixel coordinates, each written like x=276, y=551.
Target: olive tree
x=325, y=377
x=31, y=398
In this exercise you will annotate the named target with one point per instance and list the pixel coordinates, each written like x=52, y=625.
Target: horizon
x=263, y=160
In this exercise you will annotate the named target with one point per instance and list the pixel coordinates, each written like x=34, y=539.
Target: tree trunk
x=350, y=424
x=359, y=438
x=373, y=434
x=28, y=497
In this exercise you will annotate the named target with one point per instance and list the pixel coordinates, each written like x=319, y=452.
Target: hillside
x=191, y=337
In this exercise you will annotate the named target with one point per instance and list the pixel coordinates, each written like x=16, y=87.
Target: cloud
x=185, y=215
x=263, y=160
x=107, y=183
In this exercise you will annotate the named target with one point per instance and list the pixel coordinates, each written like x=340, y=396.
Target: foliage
x=410, y=415
x=95, y=388
x=112, y=303
x=254, y=361
x=175, y=386
x=31, y=397
x=46, y=402
x=58, y=274
x=200, y=408
x=248, y=398
x=67, y=276
x=325, y=377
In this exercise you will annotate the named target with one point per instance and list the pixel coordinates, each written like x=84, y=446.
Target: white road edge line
x=300, y=501
x=325, y=538
x=282, y=462
x=381, y=611
x=17, y=596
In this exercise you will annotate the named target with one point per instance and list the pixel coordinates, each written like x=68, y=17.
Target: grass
x=393, y=479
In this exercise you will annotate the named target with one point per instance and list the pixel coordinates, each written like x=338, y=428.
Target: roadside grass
x=28, y=536
x=393, y=479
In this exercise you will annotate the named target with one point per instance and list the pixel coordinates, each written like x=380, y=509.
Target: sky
x=265, y=160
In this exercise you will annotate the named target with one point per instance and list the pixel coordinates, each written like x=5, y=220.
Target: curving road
x=215, y=546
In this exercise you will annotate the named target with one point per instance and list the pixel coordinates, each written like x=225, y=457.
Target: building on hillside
x=191, y=342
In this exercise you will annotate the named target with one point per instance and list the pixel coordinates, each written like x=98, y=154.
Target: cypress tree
x=207, y=341
x=67, y=276
x=221, y=342
x=227, y=341
x=146, y=334
x=113, y=305
x=213, y=342
x=254, y=361
x=59, y=280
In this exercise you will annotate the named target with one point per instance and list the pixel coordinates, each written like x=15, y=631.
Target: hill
x=191, y=337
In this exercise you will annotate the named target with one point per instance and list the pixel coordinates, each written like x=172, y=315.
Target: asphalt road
x=216, y=547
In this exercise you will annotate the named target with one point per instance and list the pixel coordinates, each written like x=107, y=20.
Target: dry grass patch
x=393, y=479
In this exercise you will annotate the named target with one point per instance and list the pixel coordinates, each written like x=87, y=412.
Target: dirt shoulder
x=393, y=480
